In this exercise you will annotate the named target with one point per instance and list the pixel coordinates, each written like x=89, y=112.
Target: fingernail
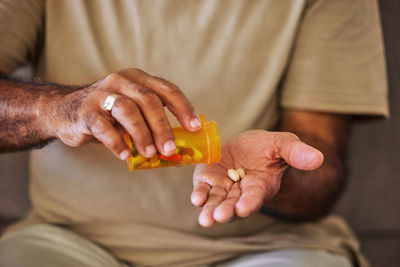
x=169, y=146
x=195, y=123
x=125, y=154
x=150, y=150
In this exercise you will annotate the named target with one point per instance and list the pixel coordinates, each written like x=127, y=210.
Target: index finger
x=172, y=97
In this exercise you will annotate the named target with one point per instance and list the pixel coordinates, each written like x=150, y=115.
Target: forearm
x=309, y=195
x=25, y=110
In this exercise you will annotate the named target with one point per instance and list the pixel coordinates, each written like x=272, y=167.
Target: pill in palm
x=233, y=175
x=241, y=172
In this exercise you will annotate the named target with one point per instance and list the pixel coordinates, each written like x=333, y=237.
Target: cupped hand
x=264, y=156
x=79, y=117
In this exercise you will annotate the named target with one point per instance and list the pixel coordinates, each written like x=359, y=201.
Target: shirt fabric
x=239, y=62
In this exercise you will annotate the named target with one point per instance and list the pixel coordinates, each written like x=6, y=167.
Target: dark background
x=371, y=202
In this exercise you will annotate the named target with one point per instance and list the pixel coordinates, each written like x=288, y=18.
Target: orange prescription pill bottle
x=203, y=146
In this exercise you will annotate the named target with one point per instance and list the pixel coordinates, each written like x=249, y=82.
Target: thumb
x=298, y=154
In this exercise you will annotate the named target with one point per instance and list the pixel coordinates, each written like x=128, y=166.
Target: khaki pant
x=44, y=245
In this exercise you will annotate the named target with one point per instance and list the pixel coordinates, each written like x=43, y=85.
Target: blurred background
x=371, y=202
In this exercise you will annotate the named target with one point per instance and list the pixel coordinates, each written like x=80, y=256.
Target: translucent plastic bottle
x=203, y=146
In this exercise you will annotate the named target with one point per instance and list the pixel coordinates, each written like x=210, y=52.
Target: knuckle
x=142, y=90
x=161, y=123
x=130, y=72
x=172, y=89
x=90, y=118
x=135, y=70
x=149, y=97
x=114, y=78
x=281, y=136
x=290, y=135
x=166, y=85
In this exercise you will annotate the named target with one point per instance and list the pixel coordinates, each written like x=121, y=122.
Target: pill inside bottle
x=203, y=146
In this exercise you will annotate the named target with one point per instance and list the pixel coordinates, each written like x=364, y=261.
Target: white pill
x=233, y=175
x=241, y=173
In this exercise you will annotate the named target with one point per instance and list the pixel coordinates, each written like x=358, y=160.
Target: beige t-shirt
x=231, y=58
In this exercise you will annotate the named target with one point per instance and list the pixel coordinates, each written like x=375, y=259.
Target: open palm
x=264, y=156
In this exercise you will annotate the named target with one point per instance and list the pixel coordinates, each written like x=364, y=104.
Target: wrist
x=51, y=109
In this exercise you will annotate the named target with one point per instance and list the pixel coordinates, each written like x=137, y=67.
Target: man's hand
x=264, y=156
x=78, y=118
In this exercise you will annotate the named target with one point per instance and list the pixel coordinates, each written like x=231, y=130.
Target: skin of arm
x=310, y=195
x=32, y=114
x=21, y=113
x=286, y=176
